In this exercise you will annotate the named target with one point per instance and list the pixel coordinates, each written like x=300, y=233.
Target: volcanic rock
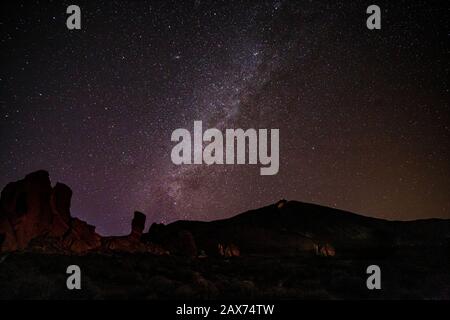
x=230, y=250
x=33, y=214
x=81, y=237
x=132, y=242
x=180, y=242
x=325, y=250
x=138, y=224
x=25, y=211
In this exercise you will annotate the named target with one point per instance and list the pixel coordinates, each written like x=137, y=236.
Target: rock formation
x=137, y=225
x=132, y=242
x=180, y=242
x=227, y=251
x=25, y=211
x=31, y=212
x=325, y=250
x=280, y=204
x=36, y=216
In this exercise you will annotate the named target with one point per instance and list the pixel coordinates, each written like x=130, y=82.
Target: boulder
x=325, y=250
x=280, y=204
x=229, y=250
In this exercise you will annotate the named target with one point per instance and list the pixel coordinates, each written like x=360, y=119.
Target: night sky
x=363, y=115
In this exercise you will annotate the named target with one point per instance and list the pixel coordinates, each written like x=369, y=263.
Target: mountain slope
x=290, y=227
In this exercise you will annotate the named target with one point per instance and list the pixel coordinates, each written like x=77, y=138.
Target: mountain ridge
x=36, y=216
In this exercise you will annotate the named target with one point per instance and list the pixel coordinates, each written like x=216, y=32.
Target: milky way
x=363, y=115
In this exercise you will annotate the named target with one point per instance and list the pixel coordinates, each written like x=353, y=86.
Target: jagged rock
x=325, y=250
x=138, y=224
x=230, y=250
x=81, y=237
x=132, y=242
x=60, y=201
x=25, y=211
x=33, y=215
x=280, y=204
x=8, y=240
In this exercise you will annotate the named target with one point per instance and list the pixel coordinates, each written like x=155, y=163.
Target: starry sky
x=363, y=115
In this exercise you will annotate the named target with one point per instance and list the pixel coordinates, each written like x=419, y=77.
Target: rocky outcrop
x=227, y=251
x=25, y=211
x=180, y=242
x=137, y=225
x=81, y=237
x=132, y=242
x=325, y=250
x=280, y=204
x=33, y=215
x=36, y=216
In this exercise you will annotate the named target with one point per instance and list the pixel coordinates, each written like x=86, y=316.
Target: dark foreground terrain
x=286, y=250
x=405, y=275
